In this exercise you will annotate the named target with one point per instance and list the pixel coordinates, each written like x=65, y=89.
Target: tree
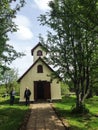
x=73, y=44
x=8, y=11
x=9, y=79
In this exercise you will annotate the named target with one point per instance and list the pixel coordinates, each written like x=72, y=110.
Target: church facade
x=38, y=78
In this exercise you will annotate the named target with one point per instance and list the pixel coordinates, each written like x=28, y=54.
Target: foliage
x=2, y=90
x=16, y=86
x=75, y=121
x=73, y=44
x=8, y=11
x=9, y=80
x=64, y=89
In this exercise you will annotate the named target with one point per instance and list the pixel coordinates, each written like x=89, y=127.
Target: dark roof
x=32, y=66
x=32, y=50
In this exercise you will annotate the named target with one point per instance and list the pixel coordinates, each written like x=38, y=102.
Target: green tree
x=8, y=11
x=64, y=89
x=73, y=43
x=9, y=79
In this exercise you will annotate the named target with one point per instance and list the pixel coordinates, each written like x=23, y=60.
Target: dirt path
x=43, y=117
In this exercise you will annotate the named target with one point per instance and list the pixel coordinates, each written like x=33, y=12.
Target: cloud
x=24, y=33
x=22, y=20
x=22, y=39
x=23, y=63
x=22, y=42
x=24, y=28
x=42, y=4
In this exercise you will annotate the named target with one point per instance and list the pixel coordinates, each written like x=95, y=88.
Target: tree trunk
x=80, y=107
x=79, y=102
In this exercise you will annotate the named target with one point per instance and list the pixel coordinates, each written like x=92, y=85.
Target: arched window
x=39, y=53
x=39, y=69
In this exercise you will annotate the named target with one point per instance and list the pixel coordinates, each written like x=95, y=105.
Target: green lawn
x=79, y=122
x=11, y=117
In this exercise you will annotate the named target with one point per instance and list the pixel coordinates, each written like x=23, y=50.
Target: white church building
x=38, y=78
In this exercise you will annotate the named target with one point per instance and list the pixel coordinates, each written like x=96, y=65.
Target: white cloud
x=24, y=28
x=24, y=33
x=22, y=20
x=42, y=4
x=23, y=40
x=23, y=63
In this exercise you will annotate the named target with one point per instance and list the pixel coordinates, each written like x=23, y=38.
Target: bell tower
x=38, y=51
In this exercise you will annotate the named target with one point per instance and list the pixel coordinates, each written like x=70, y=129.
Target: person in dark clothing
x=27, y=94
x=12, y=96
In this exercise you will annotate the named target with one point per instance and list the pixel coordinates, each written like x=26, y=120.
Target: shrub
x=79, y=110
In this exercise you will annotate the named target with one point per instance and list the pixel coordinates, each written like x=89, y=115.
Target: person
x=12, y=96
x=27, y=94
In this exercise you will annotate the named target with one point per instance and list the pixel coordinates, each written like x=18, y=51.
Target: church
x=38, y=78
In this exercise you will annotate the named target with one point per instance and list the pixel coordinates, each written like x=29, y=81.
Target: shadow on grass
x=64, y=106
x=67, y=115
x=12, y=116
x=6, y=100
x=68, y=99
x=76, y=121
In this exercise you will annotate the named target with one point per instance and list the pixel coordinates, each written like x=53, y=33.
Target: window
x=39, y=69
x=39, y=53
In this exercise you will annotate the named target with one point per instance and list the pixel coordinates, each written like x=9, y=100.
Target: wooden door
x=42, y=90
x=35, y=90
x=47, y=91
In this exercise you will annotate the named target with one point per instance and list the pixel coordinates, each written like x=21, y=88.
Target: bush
x=79, y=110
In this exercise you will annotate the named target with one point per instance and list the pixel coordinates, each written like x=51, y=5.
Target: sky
x=28, y=32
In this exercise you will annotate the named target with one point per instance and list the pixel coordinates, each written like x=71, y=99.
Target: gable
x=47, y=70
x=38, y=46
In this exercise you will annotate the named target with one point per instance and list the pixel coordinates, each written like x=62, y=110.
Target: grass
x=79, y=122
x=11, y=117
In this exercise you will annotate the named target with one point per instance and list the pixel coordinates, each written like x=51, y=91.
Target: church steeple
x=38, y=51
